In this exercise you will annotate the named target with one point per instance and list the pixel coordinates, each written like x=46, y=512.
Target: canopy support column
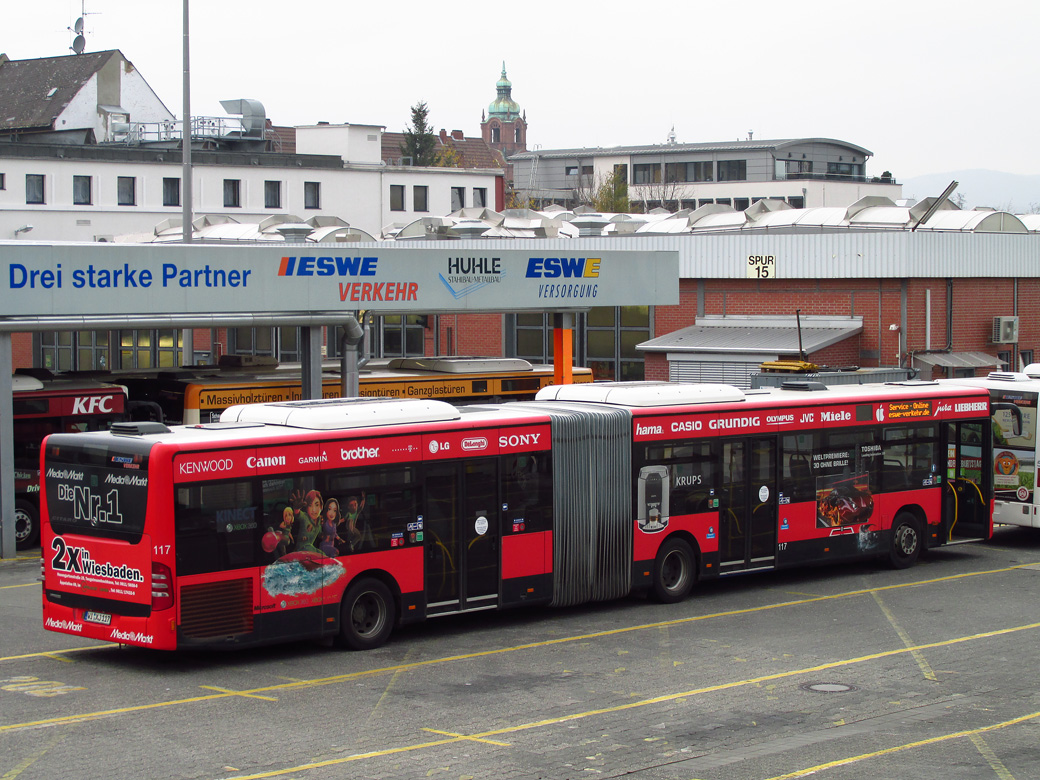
x=563, y=348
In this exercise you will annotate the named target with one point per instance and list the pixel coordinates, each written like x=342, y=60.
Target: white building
x=803, y=172
x=88, y=152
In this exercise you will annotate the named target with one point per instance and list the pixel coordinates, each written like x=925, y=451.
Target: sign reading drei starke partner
x=40, y=280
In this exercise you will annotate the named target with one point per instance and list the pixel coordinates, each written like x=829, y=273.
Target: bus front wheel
x=906, y=541
x=26, y=525
x=674, y=571
x=367, y=615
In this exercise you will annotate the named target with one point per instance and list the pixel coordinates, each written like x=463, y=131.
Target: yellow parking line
x=908, y=746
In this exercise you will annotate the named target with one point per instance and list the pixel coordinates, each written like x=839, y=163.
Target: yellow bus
x=199, y=394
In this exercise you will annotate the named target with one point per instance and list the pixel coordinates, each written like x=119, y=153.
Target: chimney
x=457, y=135
x=444, y=135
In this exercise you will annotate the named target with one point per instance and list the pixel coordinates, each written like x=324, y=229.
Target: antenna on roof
x=79, y=43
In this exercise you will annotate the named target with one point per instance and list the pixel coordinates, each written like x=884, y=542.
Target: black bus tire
x=675, y=572
x=366, y=616
x=26, y=524
x=906, y=541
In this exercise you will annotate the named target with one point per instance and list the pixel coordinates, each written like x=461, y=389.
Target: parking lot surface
x=855, y=671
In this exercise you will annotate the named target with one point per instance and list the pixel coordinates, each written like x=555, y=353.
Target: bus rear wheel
x=906, y=541
x=674, y=571
x=367, y=615
x=26, y=525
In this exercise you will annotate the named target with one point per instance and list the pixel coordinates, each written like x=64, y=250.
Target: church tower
x=504, y=128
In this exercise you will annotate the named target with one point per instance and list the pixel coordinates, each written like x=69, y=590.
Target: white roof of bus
x=341, y=413
x=642, y=393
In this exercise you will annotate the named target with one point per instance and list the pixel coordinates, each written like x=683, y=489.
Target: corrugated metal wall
x=824, y=254
x=733, y=373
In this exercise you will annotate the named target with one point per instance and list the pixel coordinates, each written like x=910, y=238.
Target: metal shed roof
x=958, y=359
x=756, y=335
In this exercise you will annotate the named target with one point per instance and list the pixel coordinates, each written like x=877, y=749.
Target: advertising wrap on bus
x=1014, y=443
x=344, y=519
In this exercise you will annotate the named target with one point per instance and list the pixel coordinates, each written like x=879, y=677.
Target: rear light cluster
x=162, y=587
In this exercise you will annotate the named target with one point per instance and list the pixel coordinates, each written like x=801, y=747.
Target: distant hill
x=1004, y=191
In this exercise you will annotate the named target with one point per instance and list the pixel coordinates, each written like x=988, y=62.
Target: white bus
x=1013, y=405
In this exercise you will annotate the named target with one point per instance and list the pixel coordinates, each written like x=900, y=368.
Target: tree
x=448, y=157
x=612, y=194
x=419, y=141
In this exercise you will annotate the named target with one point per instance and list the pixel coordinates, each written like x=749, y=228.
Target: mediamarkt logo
x=131, y=636
x=64, y=625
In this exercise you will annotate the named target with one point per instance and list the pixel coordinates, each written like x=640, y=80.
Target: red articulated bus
x=344, y=518
x=42, y=405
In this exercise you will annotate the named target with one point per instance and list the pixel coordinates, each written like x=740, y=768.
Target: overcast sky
x=927, y=86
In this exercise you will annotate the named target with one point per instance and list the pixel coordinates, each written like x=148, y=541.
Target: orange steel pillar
x=563, y=348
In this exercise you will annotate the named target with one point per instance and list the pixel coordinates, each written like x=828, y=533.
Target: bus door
x=965, y=503
x=747, y=510
x=461, y=536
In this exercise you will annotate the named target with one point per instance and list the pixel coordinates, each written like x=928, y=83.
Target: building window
x=312, y=194
x=794, y=169
x=126, y=191
x=611, y=337
x=732, y=170
x=844, y=170
x=81, y=191
x=621, y=171
x=402, y=335
x=496, y=135
x=272, y=194
x=674, y=172
x=701, y=171
x=232, y=193
x=586, y=170
x=646, y=173
x=171, y=191
x=480, y=197
x=150, y=348
x=1025, y=357
x=741, y=204
x=517, y=135
x=458, y=198
x=397, y=197
x=282, y=343
x=3, y=181
x=796, y=202
x=34, y=192
x=571, y=170
x=689, y=171
x=420, y=198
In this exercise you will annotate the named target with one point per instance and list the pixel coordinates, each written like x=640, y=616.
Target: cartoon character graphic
x=279, y=540
x=330, y=521
x=306, y=570
x=308, y=520
x=350, y=521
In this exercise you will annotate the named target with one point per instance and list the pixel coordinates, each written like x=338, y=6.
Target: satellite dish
x=78, y=27
x=79, y=44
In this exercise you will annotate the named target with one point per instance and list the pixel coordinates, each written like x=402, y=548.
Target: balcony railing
x=202, y=128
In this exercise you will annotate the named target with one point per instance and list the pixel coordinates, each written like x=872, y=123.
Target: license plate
x=103, y=618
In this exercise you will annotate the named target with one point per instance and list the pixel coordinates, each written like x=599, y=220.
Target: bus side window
x=798, y=482
x=527, y=484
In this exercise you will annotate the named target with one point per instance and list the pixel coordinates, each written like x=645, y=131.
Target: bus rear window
x=96, y=486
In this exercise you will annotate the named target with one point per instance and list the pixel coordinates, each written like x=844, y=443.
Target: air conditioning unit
x=1005, y=330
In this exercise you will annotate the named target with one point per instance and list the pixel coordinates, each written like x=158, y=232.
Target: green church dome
x=504, y=106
